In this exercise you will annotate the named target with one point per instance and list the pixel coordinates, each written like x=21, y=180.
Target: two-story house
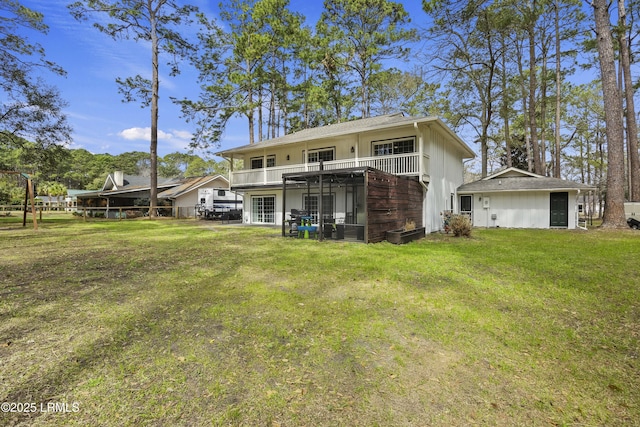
x=332, y=169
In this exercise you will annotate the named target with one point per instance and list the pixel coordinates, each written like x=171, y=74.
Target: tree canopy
x=30, y=109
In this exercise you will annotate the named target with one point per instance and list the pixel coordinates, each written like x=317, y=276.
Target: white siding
x=518, y=209
x=445, y=171
x=248, y=208
x=187, y=201
x=185, y=205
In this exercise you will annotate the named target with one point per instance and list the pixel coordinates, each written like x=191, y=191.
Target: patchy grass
x=194, y=323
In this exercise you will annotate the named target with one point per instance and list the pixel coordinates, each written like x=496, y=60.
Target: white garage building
x=514, y=198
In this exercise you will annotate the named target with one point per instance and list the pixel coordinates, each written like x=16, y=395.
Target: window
x=383, y=149
x=324, y=154
x=258, y=162
x=263, y=209
x=221, y=193
x=398, y=146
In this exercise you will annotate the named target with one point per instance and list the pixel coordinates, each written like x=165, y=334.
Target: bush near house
x=460, y=225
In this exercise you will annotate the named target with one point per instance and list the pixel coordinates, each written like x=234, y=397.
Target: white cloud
x=183, y=134
x=177, y=140
x=144, y=134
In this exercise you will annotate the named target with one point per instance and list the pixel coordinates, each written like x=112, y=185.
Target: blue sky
x=102, y=123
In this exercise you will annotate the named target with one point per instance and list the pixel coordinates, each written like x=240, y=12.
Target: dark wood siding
x=391, y=201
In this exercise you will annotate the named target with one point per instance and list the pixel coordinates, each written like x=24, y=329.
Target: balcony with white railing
x=399, y=164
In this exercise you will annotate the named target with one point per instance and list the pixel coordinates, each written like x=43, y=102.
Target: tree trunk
x=533, y=124
x=525, y=114
x=505, y=102
x=250, y=103
x=614, y=204
x=155, y=88
x=556, y=163
x=601, y=173
x=630, y=111
x=542, y=143
x=260, y=118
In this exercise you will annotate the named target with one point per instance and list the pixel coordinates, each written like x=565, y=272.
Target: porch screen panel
x=311, y=206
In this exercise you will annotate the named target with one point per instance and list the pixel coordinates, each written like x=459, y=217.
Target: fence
x=117, y=212
x=12, y=208
x=122, y=212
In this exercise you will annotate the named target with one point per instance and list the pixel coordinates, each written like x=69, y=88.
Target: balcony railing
x=401, y=164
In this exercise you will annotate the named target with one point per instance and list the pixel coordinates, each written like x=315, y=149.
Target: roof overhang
x=511, y=180
x=191, y=184
x=524, y=190
x=349, y=128
x=112, y=193
x=346, y=172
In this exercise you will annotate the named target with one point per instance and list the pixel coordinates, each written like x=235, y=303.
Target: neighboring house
x=68, y=202
x=333, y=169
x=71, y=199
x=514, y=198
x=120, y=190
x=50, y=202
x=184, y=197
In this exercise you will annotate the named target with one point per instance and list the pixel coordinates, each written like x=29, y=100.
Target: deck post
x=320, y=207
x=284, y=203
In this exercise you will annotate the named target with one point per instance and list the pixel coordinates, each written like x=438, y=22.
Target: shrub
x=409, y=225
x=460, y=225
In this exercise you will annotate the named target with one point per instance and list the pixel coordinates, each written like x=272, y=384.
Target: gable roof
x=347, y=128
x=130, y=181
x=190, y=184
x=131, y=184
x=514, y=179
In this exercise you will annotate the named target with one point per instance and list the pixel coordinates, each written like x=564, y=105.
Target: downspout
x=320, y=204
x=421, y=173
x=578, y=213
x=420, y=150
x=284, y=204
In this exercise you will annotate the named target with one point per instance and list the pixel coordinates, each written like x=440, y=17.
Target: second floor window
x=325, y=154
x=398, y=146
x=271, y=161
x=258, y=162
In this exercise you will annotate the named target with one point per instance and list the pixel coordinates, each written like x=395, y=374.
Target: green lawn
x=194, y=323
